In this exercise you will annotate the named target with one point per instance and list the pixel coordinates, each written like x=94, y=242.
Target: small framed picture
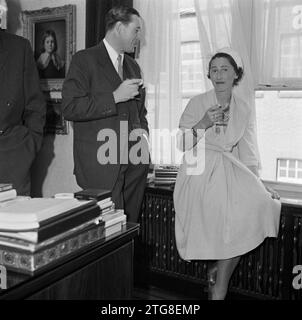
x=51, y=32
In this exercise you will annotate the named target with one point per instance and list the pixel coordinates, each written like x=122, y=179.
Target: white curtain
x=277, y=42
x=220, y=25
x=160, y=61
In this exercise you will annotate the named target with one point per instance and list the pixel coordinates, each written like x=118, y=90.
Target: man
x=22, y=111
x=101, y=93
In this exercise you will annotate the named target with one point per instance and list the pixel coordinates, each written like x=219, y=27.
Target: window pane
x=283, y=163
x=299, y=174
x=300, y=164
x=191, y=68
x=186, y=4
x=292, y=164
x=282, y=173
x=188, y=29
x=279, y=130
x=280, y=41
x=291, y=173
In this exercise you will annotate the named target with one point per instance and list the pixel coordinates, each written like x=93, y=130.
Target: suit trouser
x=129, y=189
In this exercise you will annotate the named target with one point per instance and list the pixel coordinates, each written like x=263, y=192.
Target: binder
x=93, y=194
x=34, y=213
x=57, y=226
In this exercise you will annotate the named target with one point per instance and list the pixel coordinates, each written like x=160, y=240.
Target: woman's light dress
x=222, y=209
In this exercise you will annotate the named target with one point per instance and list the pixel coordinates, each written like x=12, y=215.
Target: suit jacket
x=88, y=102
x=22, y=111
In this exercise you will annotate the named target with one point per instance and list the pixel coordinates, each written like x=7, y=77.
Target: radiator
x=265, y=273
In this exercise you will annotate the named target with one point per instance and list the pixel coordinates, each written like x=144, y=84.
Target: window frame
x=287, y=168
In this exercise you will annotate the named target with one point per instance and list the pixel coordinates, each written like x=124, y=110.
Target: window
x=191, y=62
x=279, y=113
x=278, y=24
x=290, y=56
x=289, y=170
x=279, y=129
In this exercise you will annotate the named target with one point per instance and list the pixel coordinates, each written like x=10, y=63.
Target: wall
x=53, y=168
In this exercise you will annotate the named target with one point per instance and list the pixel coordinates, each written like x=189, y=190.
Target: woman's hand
x=213, y=114
x=274, y=194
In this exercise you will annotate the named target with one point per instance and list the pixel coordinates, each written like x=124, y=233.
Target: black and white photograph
x=151, y=150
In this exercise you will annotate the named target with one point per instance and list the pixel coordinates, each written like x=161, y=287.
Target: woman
x=222, y=209
x=50, y=64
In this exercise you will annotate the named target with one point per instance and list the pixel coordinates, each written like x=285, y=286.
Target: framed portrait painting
x=51, y=32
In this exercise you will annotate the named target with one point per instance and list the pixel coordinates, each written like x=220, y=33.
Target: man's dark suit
x=88, y=101
x=22, y=111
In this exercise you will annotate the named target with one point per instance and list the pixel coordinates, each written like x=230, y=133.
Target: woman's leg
x=225, y=270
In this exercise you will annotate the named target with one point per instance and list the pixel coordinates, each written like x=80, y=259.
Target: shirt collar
x=112, y=53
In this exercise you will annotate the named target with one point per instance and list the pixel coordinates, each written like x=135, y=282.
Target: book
x=5, y=186
x=105, y=205
x=93, y=194
x=104, y=201
x=24, y=261
x=107, y=210
x=12, y=201
x=116, y=217
x=18, y=242
x=8, y=194
x=33, y=213
x=113, y=229
x=56, y=227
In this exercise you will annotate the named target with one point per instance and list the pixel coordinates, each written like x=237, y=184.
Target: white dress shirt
x=113, y=54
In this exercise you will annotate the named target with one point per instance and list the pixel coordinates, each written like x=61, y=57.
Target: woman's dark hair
x=46, y=34
x=119, y=13
x=238, y=70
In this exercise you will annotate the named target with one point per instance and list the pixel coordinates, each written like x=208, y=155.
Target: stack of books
x=165, y=175
x=101, y=196
x=112, y=222
x=7, y=193
x=109, y=220
x=40, y=231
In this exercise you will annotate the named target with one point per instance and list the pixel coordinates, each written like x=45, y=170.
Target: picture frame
x=52, y=34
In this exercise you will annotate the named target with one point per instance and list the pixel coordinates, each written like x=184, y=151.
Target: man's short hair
x=119, y=13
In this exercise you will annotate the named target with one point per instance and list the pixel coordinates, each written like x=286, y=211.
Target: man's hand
x=127, y=90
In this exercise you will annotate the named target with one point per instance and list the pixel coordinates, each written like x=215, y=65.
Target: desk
x=103, y=270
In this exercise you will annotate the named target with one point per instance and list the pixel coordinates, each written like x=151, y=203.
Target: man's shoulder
x=12, y=39
x=87, y=53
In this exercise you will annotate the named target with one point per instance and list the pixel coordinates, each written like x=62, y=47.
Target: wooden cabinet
x=104, y=271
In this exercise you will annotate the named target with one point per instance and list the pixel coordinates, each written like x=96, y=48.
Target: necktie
x=120, y=66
